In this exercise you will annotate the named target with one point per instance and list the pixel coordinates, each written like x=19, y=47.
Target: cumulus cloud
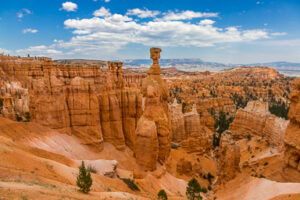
x=23, y=12
x=187, y=15
x=102, y=12
x=142, y=13
x=69, y=6
x=41, y=50
x=29, y=30
x=114, y=31
x=4, y=51
x=106, y=32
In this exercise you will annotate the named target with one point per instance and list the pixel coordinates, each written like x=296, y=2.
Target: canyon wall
x=89, y=101
x=292, y=135
x=255, y=119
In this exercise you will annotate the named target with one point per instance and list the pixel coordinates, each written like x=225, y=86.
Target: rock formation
x=153, y=133
x=229, y=160
x=197, y=136
x=177, y=122
x=255, y=119
x=89, y=101
x=292, y=139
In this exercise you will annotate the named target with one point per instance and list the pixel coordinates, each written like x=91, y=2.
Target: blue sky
x=232, y=31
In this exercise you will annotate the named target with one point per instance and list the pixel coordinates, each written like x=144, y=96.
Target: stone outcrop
x=153, y=133
x=184, y=167
x=292, y=136
x=177, y=122
x=198, y=137
x=89, y=101
x=255, y=119
x=229, y=159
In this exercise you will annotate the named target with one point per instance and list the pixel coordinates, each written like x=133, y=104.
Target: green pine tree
x=84, y=179
x=193, y=190
x=162, y=195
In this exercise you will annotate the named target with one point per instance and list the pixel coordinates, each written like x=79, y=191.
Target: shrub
x=18, y=118
x=162, y=195
x=210, y=177
x=174, y=146
x=84, y=179
x=204, y=190
x=209, y=187
x=130, y=184
x=193, y=190
x=249, y=137
x=27, y=116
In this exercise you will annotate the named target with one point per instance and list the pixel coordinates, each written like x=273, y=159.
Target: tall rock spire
x=153, y=133
x=155, y=56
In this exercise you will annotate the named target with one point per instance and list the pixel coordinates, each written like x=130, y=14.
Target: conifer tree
x=162, y=195
x=193, y=190
x=84, y=179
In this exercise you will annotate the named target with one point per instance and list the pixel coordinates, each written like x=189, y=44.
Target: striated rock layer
x=292, y=135
x=255, y=119
x=89, y=101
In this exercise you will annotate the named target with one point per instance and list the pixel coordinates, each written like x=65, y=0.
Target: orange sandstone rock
x=155, y=119
x=292, y=139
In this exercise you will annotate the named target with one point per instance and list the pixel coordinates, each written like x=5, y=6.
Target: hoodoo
x=153, y=133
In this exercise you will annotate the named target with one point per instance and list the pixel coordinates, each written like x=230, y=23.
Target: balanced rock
x=153, y=133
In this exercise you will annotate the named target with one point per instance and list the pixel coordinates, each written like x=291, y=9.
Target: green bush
x=162, y=195
x=130, y=184
x=210, y=177
x=193, y=190
x=209, y=187
x=18, y=118
x=27, y=116
x=84, y=179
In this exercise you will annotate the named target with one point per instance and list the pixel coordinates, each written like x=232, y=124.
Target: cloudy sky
x=231, y=31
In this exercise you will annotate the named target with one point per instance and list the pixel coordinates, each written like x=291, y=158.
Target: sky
x=231, y=31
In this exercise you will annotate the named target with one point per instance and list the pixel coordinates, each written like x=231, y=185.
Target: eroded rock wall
x=89, y=101
x=292, y=135
x=255, y=119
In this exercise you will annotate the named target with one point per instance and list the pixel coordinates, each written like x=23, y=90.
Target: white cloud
x=69, y=6
x=142, y=13
x=4, y=51
x=41, y=50
x=102, y=12
x=279, y=34
x=207, y=22
x=23, y=12
x=29, y=30
x=109, y=32
x=187, y=15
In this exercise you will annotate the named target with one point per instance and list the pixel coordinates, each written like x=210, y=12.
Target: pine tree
x=84, y=180
x=162, y=195
x=193, y=190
